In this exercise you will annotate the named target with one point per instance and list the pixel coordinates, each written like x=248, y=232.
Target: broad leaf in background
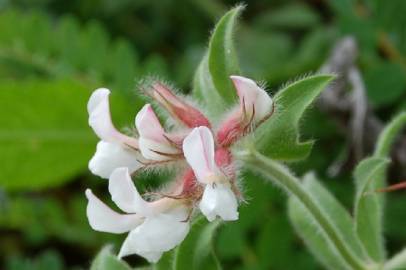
x=292, y=15
x=279, y=137
x=307, y=227
x=385, y=83
x=105, y=260
x=212, y=80
x=42, y=126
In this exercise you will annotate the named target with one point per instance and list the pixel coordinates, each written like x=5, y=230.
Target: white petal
x=151, y=150
x=156, y=235
x=125, y=194
x=102, y=218
x=198, y=148
x=219, y=200
x=148, y=124
x=252, y=95
x=110, y=156
x=152, y=139
x=98, y=108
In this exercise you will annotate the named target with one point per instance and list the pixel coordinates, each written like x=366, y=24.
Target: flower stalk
x=281, y=176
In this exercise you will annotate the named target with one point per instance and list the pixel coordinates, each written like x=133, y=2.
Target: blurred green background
x=54, y=53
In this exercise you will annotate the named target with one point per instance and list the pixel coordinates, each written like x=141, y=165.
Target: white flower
x=155, y=227
x=110, y=156
x=153, y=142
x=253, y=99
x=115, y=149
x=218, y=199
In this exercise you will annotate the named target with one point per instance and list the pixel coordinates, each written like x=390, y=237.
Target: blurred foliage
x=54, y=53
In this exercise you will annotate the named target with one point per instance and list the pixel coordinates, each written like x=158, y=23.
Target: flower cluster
x=207, y=175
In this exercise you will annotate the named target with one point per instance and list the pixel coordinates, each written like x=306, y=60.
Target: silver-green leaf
x=308, y=229
x=212, y=82
x=278, y=137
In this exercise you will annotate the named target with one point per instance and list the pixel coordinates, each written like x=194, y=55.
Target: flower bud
x=179, y=109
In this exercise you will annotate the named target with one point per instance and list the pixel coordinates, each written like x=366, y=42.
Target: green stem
x=282, y=177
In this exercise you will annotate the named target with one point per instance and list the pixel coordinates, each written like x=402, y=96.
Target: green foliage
x=30, y=135
x=397, y=262
x=47, y=260
x=222, y=59
x=67, y=49
x=196, y=251
x=278, y=137
x=43, y=219
x=370, y=175
x=386, y=89
x=45, y=41
x=45, y=130
x=212, y=81
x=292, y=15
x=367, y=236
x=105, y=260
x=367, y=208
x=389, y=134
x=309, y=230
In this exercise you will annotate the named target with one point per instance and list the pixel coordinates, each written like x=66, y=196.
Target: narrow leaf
x=308, y=229
x=388, y=135
x=279, y=136
x=370, y=175
x=222, y=58
x=368, y=208
x=212, y=82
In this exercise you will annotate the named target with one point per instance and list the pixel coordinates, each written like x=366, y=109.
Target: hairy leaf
x=367, y=208
x=370, y=175
x=279, y=136
x=309, y=231
x=212, y=81
x=222, y=59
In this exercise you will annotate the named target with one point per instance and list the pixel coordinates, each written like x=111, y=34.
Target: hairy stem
x=281, y=176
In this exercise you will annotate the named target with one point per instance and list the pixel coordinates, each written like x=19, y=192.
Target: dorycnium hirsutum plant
x=229, y=123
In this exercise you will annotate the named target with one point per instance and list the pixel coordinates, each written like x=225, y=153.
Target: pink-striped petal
x=198, y=148
x=253, y=99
